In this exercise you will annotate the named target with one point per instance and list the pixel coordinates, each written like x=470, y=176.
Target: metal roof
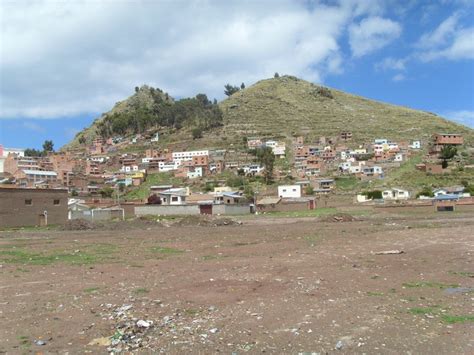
x=40, y=172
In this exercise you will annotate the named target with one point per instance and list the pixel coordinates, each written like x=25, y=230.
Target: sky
x=63, y=63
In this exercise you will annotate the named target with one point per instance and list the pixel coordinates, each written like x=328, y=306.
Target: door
x=205, y=209
x=42, y=220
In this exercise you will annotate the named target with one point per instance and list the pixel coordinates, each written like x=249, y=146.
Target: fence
x=98, y=214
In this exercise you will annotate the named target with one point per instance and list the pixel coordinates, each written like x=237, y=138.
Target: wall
x=284, y=207
x=15, y=213
x=230, y=209
x=166, y=210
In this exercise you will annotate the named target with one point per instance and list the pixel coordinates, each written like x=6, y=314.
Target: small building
x=33, y=207
x=395, y=195
x=415, y=145
x=445, y=203
x=175, y=196
x=289, y=191
x=346, y=135
x=448, y=139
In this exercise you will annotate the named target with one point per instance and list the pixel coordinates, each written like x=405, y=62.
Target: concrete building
x=289, y=191
x=32, y=207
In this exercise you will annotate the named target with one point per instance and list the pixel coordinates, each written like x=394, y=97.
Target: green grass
x=91, y=289
x=91, y=254
x=446, y=318
x=378, y=294
x=347, y=182
x=141, y=291
x=462, y=273
x=429, y=284
x=166, y=251
x=424, y=310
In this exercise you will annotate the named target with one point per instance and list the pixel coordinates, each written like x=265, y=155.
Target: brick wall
x=23, y=207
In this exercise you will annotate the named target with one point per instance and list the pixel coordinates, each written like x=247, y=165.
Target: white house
x=398, y=157
x=395, y=194
x=164, y=166
x=415, y=145
x=129, y=168
x=186, y=156
x=289, y=191
x=253, y=169
x=156, y=137
x=176, y=196
x=195, y=173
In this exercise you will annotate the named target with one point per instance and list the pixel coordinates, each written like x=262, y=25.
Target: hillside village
x=296, y=175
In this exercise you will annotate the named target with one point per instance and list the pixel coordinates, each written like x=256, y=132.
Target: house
x=253, y=169
x=34, y=178
x=254, y=143
x=430, y=168
x=32, y=207
x=447, y=139
x=289, y=191
x=173, y=196
x=395, y=194
x=155, y=138
x=415, y=145
x=345, y=135
x=453, y=190
x=398, y=157
x=325, y=184
x=232, y=198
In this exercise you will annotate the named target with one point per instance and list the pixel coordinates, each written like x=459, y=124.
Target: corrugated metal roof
x=40, y=172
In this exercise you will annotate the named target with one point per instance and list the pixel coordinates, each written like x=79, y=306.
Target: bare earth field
x=270, y=285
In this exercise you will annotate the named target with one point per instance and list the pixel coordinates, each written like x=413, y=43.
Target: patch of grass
x=91, y=289
x=91, y=254
x=312, y=239
x=429, y=284
x=450, y=319
x=141, y=291
x=191, y=311
x=165, y=250
x=379, y=294
x=462, y=273
x=424, y=310
x=347, y=182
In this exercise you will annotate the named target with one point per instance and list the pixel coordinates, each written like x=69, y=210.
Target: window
x=174, y=198
x=56, y=202
x=28, y=202
x=294, y=190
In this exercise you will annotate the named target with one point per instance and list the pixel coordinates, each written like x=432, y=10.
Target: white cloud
x=371, y=34
x=60, y=59
x=398, y=77
x=450, y=40
x=392, y=64
x=464, y=117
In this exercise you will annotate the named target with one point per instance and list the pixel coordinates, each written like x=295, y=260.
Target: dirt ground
x=268, y=285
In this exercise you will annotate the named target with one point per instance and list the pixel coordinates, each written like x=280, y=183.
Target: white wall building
x=415, y=145
x=289, y=191
x=186, y=156
x=395, y=194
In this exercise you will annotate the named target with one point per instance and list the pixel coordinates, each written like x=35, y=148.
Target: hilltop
x=288, y=106
x=278, y=107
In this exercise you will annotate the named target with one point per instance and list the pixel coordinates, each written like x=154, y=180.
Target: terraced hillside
x=289, y=106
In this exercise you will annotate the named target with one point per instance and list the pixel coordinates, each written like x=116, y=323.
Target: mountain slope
x=284, y=107
x=290, y=106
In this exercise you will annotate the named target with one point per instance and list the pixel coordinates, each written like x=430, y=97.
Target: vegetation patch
x=165, y=250
x=141, y=291
x=92, y=254
x=378, y=294
x=429, y=284
x=462, y=273
x=92, y=290
x=424, y=310
x=450, y=319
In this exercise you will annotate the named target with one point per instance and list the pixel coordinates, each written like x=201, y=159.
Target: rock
x=339, y=345
x=40, y=342
x=213, y=330
x=143, y=324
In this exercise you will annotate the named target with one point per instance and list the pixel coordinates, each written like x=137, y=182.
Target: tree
x=266, y=157
x=106, y=192
x=82, y=140
x=242, y=86
x=447, y=153
x=29, y=152
x=426, y=191
x=197, y=133
x=309, y=190
x=137, y=89
x=230, y=90
x=48, y=146
x=276, y=75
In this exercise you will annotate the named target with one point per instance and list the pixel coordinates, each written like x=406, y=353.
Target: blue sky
x=62, y=64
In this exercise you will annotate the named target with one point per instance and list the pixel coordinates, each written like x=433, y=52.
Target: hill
x=279, y=107
x=290, y=106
